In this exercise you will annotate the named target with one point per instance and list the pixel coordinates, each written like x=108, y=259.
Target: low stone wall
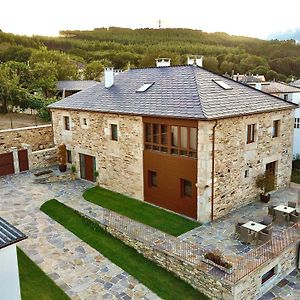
x=199, y=278
x=38, y=137
x=43, y=158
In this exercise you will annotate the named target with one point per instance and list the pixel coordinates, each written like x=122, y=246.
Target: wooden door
x=7, y=164
x=270, y=175
x=87, y=167
x=23, y=160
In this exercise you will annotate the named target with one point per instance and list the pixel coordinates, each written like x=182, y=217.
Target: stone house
x=180, y=137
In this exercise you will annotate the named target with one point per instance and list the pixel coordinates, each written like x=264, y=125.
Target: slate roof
x=9, y=234
x=273, y=87
x=179, y=92
x=75, y=85
x=295, y=83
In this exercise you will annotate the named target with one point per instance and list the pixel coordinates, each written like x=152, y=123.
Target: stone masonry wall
x=120, y=163
x=38, y=137
x=43, y=158
x=233, y=157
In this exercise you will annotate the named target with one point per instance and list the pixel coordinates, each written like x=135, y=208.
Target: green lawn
x=35, y=284
x=160, y=281
x=296, y=176
x=140, y=211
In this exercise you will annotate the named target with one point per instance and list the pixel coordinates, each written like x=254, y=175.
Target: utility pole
x=159, y=24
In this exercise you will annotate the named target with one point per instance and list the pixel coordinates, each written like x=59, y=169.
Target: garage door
x=23, y=160
x=6, y=164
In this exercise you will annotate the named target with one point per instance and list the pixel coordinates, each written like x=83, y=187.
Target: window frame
x=250, y=134
x=152, y=183
x=268, y=275
x=67, y=123
x=275, y=128
x=69, y=156
x=297, y=123
x=183, y=190
x=114, y=132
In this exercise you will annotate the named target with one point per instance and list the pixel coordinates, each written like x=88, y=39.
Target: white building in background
x=9, y=271
x=289, y=92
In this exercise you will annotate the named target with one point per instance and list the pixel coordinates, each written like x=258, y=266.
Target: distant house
x=288, y=92
x=70, y=87
x=9, y=271
x=180, y=137
x=248, y=78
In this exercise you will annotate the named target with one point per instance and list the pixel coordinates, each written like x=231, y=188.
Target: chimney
x=108, y=77
x=163, y=62
x=195, y=60
x=258, y=85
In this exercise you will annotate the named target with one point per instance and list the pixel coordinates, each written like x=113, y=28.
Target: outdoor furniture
x=282, y=213
x=271, y=210
x=268, y=221
x=246, y=235
x=238, y=228
x=265, y=235
x=254, y=226
x=292, y=204
x=294, y=217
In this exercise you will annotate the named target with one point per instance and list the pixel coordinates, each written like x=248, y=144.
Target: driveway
x=81, y=271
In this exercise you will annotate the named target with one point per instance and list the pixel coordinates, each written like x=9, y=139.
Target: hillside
x=122, y=46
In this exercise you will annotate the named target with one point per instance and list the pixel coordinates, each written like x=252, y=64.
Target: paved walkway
x=81, y=271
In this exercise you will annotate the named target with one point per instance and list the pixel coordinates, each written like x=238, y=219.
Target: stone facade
x=119, y=163
x=38, y=137
x=233, y=157
x=43, y=158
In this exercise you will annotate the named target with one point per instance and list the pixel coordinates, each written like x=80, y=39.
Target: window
x=268, y=275
x=152, y=176
x=297, y=123
x=285, y=96
x=144, y=87
x=69, y=156
x=246, y=173
x=84, y=121
x=251, y=133
x=67, y=123
x=222, y=84
x=114, y=132
x=275, y=130
x=186, y=188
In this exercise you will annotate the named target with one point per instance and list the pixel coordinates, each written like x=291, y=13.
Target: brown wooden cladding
x=6, y=164
x=23, y=160
x=170, y=171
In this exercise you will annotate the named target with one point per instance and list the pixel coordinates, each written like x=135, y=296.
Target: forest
x=31, y=66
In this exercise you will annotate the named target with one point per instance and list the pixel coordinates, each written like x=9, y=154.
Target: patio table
x=284, y=208
x=254, y=226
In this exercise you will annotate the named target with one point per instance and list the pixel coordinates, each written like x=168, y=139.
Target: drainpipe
x=213, y=171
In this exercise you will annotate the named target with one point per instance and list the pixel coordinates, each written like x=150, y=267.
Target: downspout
x=213, y=171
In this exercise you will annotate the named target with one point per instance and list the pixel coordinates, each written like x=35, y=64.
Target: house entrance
x=270, y=174
x=87, y=167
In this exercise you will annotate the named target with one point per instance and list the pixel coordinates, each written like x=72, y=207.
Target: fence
x=192, y=254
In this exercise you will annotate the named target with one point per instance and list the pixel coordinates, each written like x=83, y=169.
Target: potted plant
x=96, y=175
x=264, y=182
x=217, y=260
x=73, y=171
x=62, y=158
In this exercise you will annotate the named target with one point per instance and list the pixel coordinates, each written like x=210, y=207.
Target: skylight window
x=145, y=87
x=223, y=85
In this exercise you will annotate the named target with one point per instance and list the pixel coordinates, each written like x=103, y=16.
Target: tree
x=210, y=63
x=94, y=70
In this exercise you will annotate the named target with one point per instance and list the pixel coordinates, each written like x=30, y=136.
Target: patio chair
x=246, y=235
x=268, y=221
x=294, y=217
x=292, y=204
x=265, y=235
x=238, y=227
x=280, y=217
x=271, y=210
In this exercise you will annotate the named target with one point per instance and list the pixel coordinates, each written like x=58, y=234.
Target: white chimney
x=163, y=62
x=108, y=77
x=195, y=60
x=258, y=85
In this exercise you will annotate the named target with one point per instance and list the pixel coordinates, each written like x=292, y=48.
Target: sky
x=256, y=18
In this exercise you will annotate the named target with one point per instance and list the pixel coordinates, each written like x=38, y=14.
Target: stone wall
x=43, y=158
x=38, y=137
x=120, y=163
x=233, y=157
x=251, y=287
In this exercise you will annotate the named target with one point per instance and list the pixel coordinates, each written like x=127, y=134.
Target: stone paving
x=81, y=271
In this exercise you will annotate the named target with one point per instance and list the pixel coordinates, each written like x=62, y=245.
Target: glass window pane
x=184, y=137
x=148, y=132
x=163, y=129
x=155, y=133
x=193, y=138
x=174, y=133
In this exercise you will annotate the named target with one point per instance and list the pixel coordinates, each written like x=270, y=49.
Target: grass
x=35, y=284
x=295, y=175
x=140, y=211
x=160, y=281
